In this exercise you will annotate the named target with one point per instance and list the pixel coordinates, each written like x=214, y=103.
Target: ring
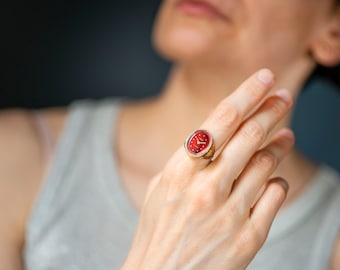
x=200, y=144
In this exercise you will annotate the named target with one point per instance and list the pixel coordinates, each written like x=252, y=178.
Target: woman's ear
x=326, y=48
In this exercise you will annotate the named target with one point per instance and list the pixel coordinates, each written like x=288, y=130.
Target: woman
x=71, y=180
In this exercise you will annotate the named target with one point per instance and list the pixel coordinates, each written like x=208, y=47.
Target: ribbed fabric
x=83, y=220
x=303, y=235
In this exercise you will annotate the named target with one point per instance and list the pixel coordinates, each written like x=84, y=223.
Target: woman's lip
x=201, y=7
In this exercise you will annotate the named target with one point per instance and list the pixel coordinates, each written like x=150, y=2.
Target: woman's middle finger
x=261, y=167
x=232, y=111
x=221, y=125
x=248, y=139
x=228, y=115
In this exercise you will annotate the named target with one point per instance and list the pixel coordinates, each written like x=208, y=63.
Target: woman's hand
x=202, y=214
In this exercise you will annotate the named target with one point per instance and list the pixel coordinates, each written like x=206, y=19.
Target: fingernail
x=285, y=96
x=284, y=184
x=265, y=76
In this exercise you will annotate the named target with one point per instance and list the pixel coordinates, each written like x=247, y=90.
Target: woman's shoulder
x=22, y=166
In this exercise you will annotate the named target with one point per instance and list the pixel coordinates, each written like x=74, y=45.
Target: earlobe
x=326, y=48
x=326, y=53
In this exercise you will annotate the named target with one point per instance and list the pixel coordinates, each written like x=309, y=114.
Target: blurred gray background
x=52, y=54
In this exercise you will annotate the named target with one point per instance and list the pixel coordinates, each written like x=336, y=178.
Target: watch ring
x=200, y=144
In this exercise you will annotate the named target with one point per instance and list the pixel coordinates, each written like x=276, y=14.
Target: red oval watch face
x=198, y=143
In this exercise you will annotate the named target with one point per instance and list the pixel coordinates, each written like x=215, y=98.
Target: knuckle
x=201, y=197
x=236, y=208
x=257, y=237
x=254, y=131
x=256, y=90
x=227, y=115
x=275, y=106
x=250, y=241
x=173, y=170
x=244, y=245
x=177, y=174
x=265, y=159
x=178, y=165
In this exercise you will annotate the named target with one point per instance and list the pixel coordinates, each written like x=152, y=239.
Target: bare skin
x=23, y=165
x=185, y=91
x=11, y=249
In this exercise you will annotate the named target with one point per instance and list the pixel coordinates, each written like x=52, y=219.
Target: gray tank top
x=82, y=218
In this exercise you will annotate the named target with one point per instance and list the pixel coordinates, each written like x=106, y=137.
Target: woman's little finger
x=267, y=206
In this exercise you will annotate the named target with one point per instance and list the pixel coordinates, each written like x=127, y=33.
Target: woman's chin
x=183, y=45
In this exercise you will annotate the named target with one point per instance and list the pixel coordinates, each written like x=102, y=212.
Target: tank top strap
x=44, y=133
x=86, y=118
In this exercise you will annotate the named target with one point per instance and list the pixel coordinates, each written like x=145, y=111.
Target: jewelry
x=200, y=144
